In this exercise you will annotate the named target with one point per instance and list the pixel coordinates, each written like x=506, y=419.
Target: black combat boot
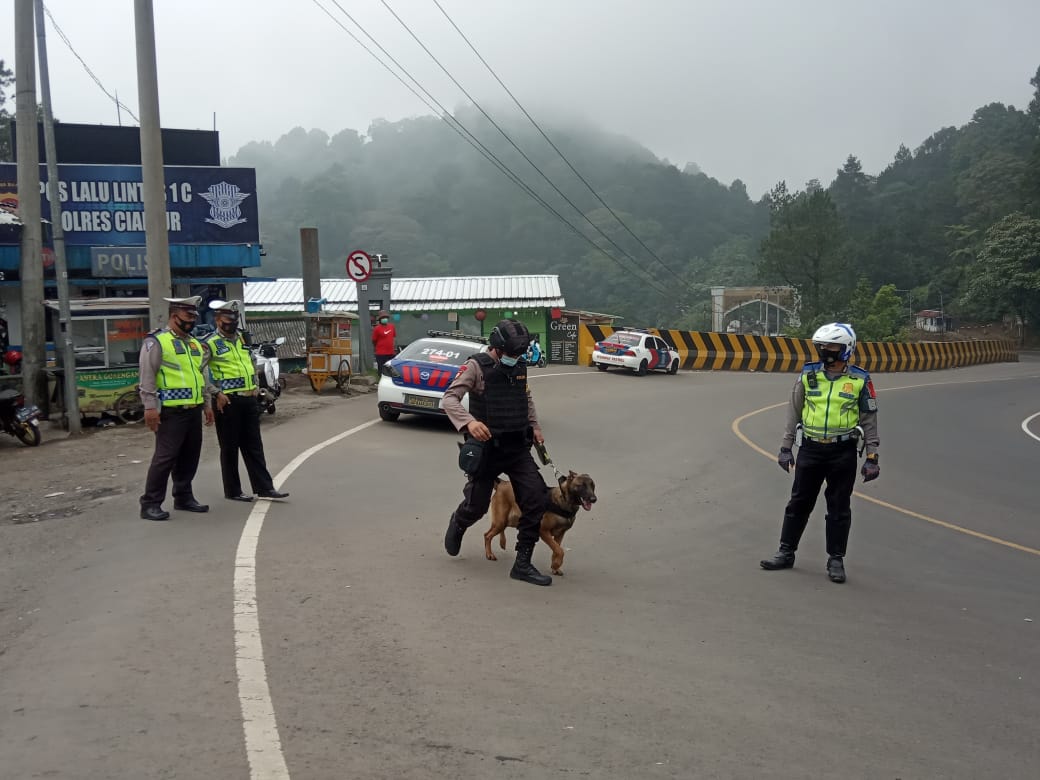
x=453, y=536
x=784, y=559
x=524, y=570
x=836, y=568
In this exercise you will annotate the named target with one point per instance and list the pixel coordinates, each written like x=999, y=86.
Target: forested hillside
x=965, y=200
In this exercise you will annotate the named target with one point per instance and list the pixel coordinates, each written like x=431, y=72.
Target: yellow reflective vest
x=230, y=363
x=179, y=380
x=832, y=406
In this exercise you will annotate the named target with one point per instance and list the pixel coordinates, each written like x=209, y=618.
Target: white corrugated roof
x=418, y=294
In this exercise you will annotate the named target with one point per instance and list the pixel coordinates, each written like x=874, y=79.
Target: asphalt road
x=663, y=652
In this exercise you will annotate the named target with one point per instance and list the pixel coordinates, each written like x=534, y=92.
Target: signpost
x=359, y=266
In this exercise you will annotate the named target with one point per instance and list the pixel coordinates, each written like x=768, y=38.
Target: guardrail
x=744, y=352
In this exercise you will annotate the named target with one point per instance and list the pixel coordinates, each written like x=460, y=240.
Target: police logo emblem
x=224, y=200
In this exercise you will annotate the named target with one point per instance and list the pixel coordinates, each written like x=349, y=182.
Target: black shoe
x=154, y=513
x=191, y=506
x=453, y=536
x=836, y=568
x=272, y=493
x=240, y=497
x=524, y=570
x=784, y=559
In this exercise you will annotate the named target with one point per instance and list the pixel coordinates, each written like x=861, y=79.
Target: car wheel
x=601, y=366
x=674, y=368
x=388, y=415
x=641, y=371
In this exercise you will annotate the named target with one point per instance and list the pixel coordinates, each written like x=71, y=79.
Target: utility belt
x=179, y=409
x=830, y=439
x=233, y=394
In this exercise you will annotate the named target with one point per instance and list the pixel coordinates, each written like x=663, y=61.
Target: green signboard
x=98, y=390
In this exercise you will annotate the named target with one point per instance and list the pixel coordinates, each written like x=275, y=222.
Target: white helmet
x=836, y=333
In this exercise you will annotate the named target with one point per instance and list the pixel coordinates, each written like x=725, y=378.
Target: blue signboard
x=103, y=205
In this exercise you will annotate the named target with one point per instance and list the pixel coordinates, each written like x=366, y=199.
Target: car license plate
x=422, y=401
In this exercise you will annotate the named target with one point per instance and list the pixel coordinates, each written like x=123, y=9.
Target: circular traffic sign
x=359, y=266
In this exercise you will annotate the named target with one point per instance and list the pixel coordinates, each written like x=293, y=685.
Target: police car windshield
x=628, y=339
x=449, y=353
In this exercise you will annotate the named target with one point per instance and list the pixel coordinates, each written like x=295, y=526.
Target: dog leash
x=543, y=456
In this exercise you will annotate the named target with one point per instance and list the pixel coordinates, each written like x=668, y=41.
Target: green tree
x=804, y=249
x=1006, y=277
x=6, y=80
x=877, y=315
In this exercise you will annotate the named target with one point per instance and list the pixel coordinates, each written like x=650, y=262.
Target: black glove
x=871, y=469
x=785, y=459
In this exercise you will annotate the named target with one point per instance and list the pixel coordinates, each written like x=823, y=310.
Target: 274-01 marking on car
x=440, y=354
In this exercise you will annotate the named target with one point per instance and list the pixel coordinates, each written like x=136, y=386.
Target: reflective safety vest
x=230, y=363
x=179, y=380
x=832, y=406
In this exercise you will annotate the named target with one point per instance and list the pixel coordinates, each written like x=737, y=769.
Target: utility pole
x=34, y=381
x=157, y=241
x=62, y=339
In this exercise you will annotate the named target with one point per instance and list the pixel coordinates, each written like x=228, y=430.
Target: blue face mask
x=509, y=361
x=384, y=321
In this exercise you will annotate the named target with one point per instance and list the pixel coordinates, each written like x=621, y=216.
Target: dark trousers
x=178, y=444
x=382, y=360
x=238, y=430
x=834, y=464
x=515, y=461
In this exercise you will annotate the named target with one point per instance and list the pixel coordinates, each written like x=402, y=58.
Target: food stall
x=106, y=338
x=329, y=349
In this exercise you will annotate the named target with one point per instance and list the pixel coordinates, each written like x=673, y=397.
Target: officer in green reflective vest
x=172, y=391
x=830, y=401
x=231, y=386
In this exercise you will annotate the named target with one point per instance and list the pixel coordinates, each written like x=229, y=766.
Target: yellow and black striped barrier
x=744, y=352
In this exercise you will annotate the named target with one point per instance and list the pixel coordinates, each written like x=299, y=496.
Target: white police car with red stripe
x=414, y=381
x=636, y=350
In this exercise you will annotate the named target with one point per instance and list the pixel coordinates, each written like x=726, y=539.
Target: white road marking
x=263, y=746
x=1025, y=425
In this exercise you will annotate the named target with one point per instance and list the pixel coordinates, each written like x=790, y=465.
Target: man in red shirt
x=384, y=339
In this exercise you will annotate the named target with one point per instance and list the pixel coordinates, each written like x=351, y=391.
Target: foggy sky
x=750, y=89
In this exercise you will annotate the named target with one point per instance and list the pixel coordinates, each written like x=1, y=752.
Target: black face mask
x=184, y=326
x=228, y=326
x=829, y=357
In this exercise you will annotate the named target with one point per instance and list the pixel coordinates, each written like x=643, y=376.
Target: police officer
x=231, y=386
x=830, y=399
x=171, y=385
x=502, y=416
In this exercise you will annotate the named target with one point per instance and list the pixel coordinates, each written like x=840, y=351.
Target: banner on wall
x=103, y=205
x=563, y=339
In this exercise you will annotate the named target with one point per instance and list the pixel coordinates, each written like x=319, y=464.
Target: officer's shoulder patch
x=149, y=344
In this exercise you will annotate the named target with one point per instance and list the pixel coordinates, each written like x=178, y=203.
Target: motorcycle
x=268, y=374
x=19, y=420
x=535, y=356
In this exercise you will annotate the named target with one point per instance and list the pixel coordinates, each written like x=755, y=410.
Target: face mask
x=383, y=321
x=509, y=361
x=830, y=358
x=228, y=327
x=184, y=326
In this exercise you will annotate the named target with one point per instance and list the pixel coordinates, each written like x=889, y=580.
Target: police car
x=636, y=350
x=414, y=381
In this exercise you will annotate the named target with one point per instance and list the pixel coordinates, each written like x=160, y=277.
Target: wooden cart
x=329, y=350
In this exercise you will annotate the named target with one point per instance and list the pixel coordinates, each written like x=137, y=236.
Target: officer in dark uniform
x=502, y=416
x=830, y=400
x=172, y=390
x=231, y=387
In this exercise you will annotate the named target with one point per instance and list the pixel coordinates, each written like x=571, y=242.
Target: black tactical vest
x=503, y=405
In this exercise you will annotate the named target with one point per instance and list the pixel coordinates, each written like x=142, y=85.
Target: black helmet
x=510, y=336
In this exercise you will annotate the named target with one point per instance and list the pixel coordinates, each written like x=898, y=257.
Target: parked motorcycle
x=535, y=356
x=268, y=374
x=19, y=420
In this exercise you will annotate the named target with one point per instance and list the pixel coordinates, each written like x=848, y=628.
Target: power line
x=467, y=136
x=505, y=135
x=553, y=145
x=86, y=67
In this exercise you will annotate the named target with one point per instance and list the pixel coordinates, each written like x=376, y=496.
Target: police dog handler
x=502, y=418
x=831, y=399
x=172, y=364
x=232, y=386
